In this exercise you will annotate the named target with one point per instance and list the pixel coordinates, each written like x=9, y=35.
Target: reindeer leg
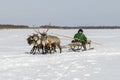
x=39, y=50
x=60, y=48
x=50, y=49
x=43, y=50
x=32, y=50
x=46, y=49
x=54, y=47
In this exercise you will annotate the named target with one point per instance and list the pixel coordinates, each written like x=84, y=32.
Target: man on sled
x=80, y=37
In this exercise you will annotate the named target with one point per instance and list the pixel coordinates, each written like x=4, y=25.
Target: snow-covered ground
x=102, y=63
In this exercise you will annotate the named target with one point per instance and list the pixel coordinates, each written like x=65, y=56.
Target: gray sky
x=60, y=12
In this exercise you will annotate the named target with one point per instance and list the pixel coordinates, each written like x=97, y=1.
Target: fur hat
x=80, y=30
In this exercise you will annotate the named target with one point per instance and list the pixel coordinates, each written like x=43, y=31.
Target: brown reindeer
x=34, y=39
x=50, y=41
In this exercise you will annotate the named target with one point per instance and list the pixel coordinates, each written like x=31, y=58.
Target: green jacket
x=80, y=37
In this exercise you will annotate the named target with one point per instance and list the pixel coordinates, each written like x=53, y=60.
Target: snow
x=102, y=63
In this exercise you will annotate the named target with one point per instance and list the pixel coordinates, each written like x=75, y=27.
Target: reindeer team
x=44, y=42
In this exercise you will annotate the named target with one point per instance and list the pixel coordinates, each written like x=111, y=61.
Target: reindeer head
x=35, y=37
x=43, y=36
x=30, y=39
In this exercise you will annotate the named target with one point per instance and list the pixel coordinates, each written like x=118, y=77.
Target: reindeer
x=50, y=41
x=34, y=39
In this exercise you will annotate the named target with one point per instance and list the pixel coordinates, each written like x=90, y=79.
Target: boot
x=84, y=46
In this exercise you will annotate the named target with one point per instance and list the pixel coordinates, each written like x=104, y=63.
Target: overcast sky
x=60, y=12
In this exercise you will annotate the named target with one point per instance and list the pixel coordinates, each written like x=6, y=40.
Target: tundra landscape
x=101, y=63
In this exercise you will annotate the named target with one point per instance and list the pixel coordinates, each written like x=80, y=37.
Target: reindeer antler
x=37, y=31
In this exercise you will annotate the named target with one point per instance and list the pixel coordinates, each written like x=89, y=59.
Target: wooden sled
x=77, y=46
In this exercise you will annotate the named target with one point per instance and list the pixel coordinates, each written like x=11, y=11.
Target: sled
x=77, y=46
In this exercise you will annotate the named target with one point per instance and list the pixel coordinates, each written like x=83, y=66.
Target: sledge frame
x=77, y=46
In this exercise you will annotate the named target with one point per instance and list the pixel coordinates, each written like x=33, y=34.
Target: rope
x=96, y=43
x=63, y=36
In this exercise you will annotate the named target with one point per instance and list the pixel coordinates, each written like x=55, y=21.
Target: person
x=80, y=37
